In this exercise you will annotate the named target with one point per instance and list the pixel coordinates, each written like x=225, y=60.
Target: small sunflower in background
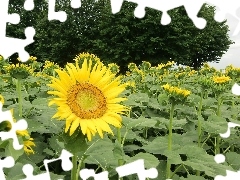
x=176, y=95
x=81, y=57
x=220, y=84
x=88, y=98
x=114, y=68
x=221, y=79
x=19, y=71
x=48, y=68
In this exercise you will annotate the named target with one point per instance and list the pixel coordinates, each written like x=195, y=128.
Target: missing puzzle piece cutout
x=7, y=162
x=230, y=175
x=220, y=158
x=13, y=45
x=15, y=126
x=66, y=166
x=192, y=9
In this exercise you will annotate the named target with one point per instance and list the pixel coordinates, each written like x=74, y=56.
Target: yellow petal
x=74, y=126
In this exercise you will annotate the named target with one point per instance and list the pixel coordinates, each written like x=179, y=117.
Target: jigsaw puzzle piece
x=66, y=166
x=15, y=126
x=7, y=162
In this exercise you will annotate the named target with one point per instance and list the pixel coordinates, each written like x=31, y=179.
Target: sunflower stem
x=120, y=161
x=168, y=175
x=218, y=113
x=74, y=172
x=19, y=92
x=80, y=163
x=199, y=128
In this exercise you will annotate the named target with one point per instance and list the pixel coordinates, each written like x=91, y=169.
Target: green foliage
x=145, y=132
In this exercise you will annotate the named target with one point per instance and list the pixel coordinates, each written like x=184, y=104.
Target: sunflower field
x=169, y=116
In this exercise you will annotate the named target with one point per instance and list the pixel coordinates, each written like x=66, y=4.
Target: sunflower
x=88, y=98
x=221, y=79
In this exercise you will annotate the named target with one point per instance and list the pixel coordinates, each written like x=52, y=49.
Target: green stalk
x=120, y=161
x=217, y=150
x=199, y=129
x=199, y=121
x=176, y=170
x=19, y=92
x=168, y=175
x=80, y=164
x=74, y=172
x=145, y=132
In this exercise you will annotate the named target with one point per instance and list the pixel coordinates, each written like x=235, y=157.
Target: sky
x=232, y=56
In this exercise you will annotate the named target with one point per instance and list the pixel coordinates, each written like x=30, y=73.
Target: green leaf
x=160, y=144
x=15, y=173
x=141, y=122
x=118, y=150
x=100, y=152
x=10, y=151
x=215, y=124
x=163, y=99
x=232, y=158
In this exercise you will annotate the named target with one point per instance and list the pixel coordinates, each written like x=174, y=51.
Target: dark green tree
x=133, y=40
x=123, y=38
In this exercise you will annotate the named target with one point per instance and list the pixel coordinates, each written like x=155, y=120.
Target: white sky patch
x=232, y=56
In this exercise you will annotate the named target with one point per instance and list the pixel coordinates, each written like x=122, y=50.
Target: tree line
x=120, y=38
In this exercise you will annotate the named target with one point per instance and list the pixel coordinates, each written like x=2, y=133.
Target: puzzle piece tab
x=15, y=126
x=7, y=162
x=87, y=173
x=13, y=45
x=137, y=167
x=29, y=5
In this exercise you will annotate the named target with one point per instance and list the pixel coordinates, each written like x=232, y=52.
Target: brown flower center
x=86, y=101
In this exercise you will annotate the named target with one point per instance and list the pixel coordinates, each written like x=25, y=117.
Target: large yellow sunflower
x=88, y=98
